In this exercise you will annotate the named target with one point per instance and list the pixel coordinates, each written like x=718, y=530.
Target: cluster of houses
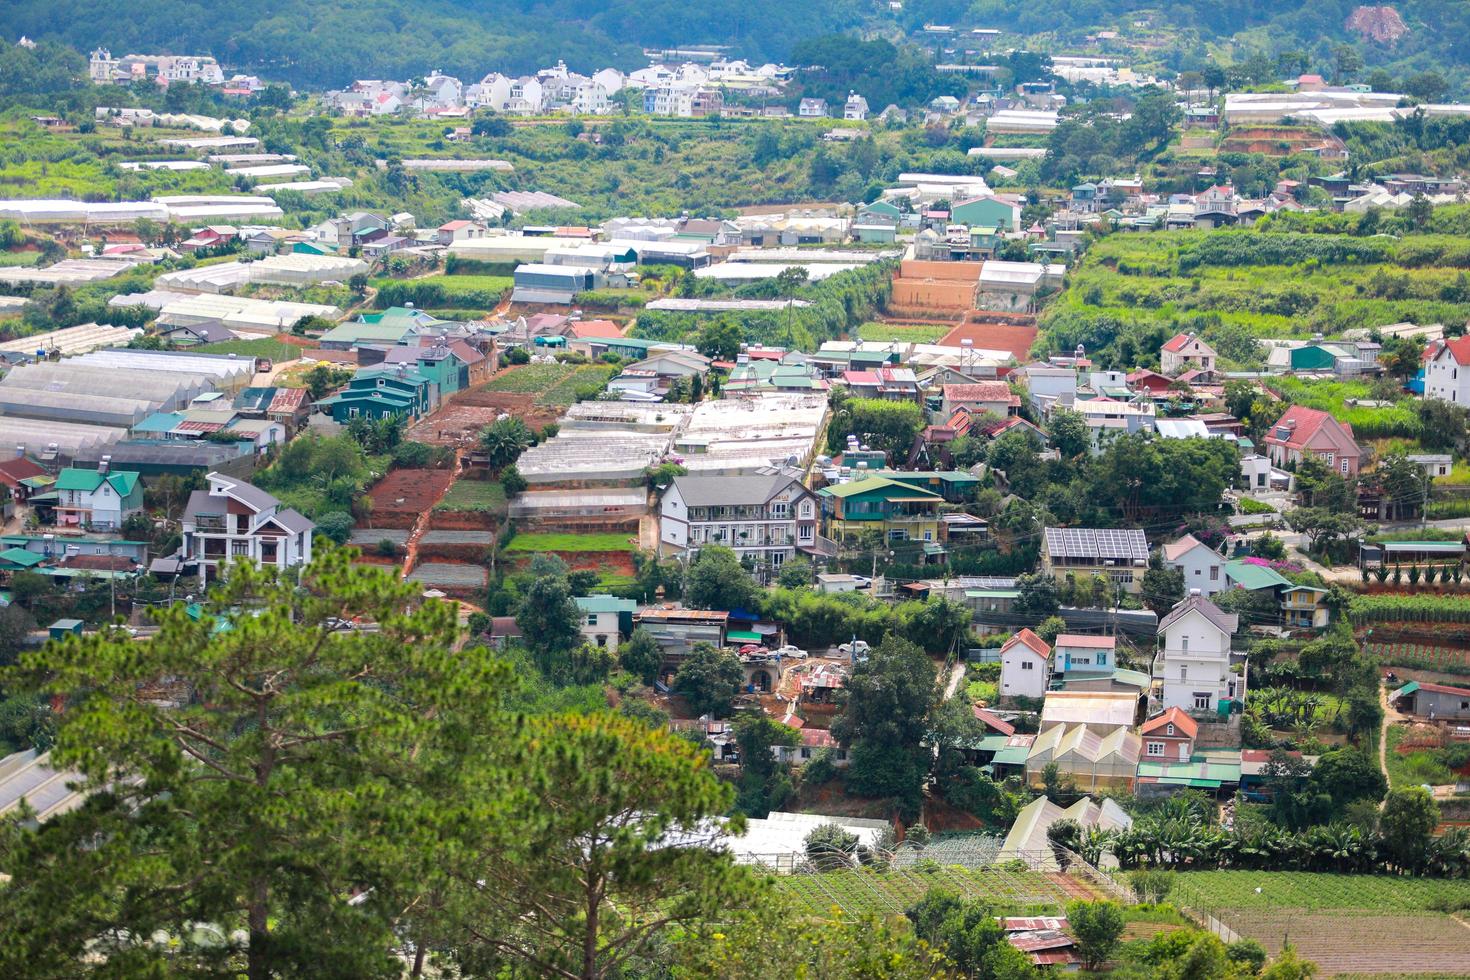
x=166, y=69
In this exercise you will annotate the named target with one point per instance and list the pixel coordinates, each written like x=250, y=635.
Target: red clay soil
x=407, y=494
x=614, y=562
x=461, y=520
x=467, y=412
x=940, y=816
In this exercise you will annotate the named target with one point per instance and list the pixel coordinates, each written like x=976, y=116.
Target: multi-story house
x=897, y=511
x=97, y=498
x=234, y=520
x=1118, y=554
x=767, y=518
x=1025, y=666
x=1195, y=665
x=606, y=619
x=1203, y=567
x=1302, y=432
x=856, y=107
x=1442, y=377
x=1186, y=352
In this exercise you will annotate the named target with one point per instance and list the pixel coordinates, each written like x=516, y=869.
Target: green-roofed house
x=955, y=486
x=381, y=392
x=606, y=619
x=16, y=559
x=1302, y=606
x=349, y=336
x=97, y=498
x=901, y=512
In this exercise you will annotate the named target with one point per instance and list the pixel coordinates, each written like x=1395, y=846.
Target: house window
x=1169, y=730
x=1102, y=659
x=1027, y=665
x=592, y=620
x=1344, y=467
x=1184, y=645
x=1156, y=748
x=805, y=532
x=1201, y=701
x=1183, y=672
x=1214, y=573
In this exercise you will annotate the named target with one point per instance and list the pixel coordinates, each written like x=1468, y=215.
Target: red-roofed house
x=1150, y=381
x=1442, y=377
x=1185, y=351
x=18, y=468
x=1024, y=666
x=1169, y=737
x=995, y=397
x=1303, y=431
x=586, y=329
x=1310, y=83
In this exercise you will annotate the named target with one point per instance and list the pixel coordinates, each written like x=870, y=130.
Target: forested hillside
x=328, y=42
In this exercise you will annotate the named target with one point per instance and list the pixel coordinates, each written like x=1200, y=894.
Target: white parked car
x=862, y=581
x=789, y=651
x=857, y=649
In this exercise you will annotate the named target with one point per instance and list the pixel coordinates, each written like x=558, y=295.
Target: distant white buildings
x=165, y=69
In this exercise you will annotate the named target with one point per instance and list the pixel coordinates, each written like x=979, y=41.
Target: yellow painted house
x=900, y=511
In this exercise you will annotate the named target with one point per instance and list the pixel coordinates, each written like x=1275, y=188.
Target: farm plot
x=889, y=892
x=587, y=380
x=1347, y=942
x=571, y=543
x=486, y=496
x=400, y=497
x=368, y=538
x=530, y=379
x=1319, y=891
x=450, y=577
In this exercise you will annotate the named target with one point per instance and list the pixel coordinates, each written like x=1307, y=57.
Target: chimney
x=104, y=464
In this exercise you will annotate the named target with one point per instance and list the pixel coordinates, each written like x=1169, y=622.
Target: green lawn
x=914, y=333
x=571, y=542
x=476, y=495
x=1315, y=891
x=13, y=259
x=1249, y=506
x=986, y=691
x=860, y=891
x=276, y=350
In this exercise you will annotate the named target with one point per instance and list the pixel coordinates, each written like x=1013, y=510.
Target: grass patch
x=584, y=382
x=913, y=333
x=13, y=260
x=1414, y=768
x=485, y=496
x=276, y=350
x=571, y=542
x=1249, y=505
x=987, y=691
x=1317, y=891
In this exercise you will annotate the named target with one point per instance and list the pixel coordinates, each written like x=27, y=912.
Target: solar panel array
x=1122, y=544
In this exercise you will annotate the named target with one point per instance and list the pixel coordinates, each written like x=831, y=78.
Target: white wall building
x=1447, y=374
x=1203, y=566
x=1025, y=666
x=233, y=520
x=1195, y=662
x=767, y=517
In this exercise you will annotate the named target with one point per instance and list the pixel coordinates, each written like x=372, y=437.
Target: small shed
x=62, y=627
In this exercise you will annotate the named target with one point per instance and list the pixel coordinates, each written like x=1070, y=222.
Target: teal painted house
x=987, y=212
x=379, y=392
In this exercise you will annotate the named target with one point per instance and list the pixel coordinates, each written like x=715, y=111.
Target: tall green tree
x=548, y=618
x=609, y=851
x=889, y=698
x=504, y=440
x=709, y=679
x=243, y=768
x=717, y=580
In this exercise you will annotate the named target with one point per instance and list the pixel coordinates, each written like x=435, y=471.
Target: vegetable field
x=1422, y=656
x=552, y=384
x=1316, y=891
x=276, y=350
x=1367, y=609
x=889, y=892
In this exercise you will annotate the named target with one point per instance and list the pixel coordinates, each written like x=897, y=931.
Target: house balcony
x=210, y=522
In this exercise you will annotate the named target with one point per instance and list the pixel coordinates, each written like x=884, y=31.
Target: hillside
x=321, y=43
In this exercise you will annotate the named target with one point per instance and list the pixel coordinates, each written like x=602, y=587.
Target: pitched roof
x=1250, y=576
x=1174, y=716
x=19, y=468
x=87, y=481
x=1175, y=550
x=1459, y=349
x=992, y=720
x=587, y=329
x=1304, y=423
x=1413, y=686
x=729, y=491
x=1030, y=641
x=1179, y=341
x=1219, y=618
x=856, y=487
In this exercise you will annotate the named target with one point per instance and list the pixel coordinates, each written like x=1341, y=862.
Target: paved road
x=956, y=675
